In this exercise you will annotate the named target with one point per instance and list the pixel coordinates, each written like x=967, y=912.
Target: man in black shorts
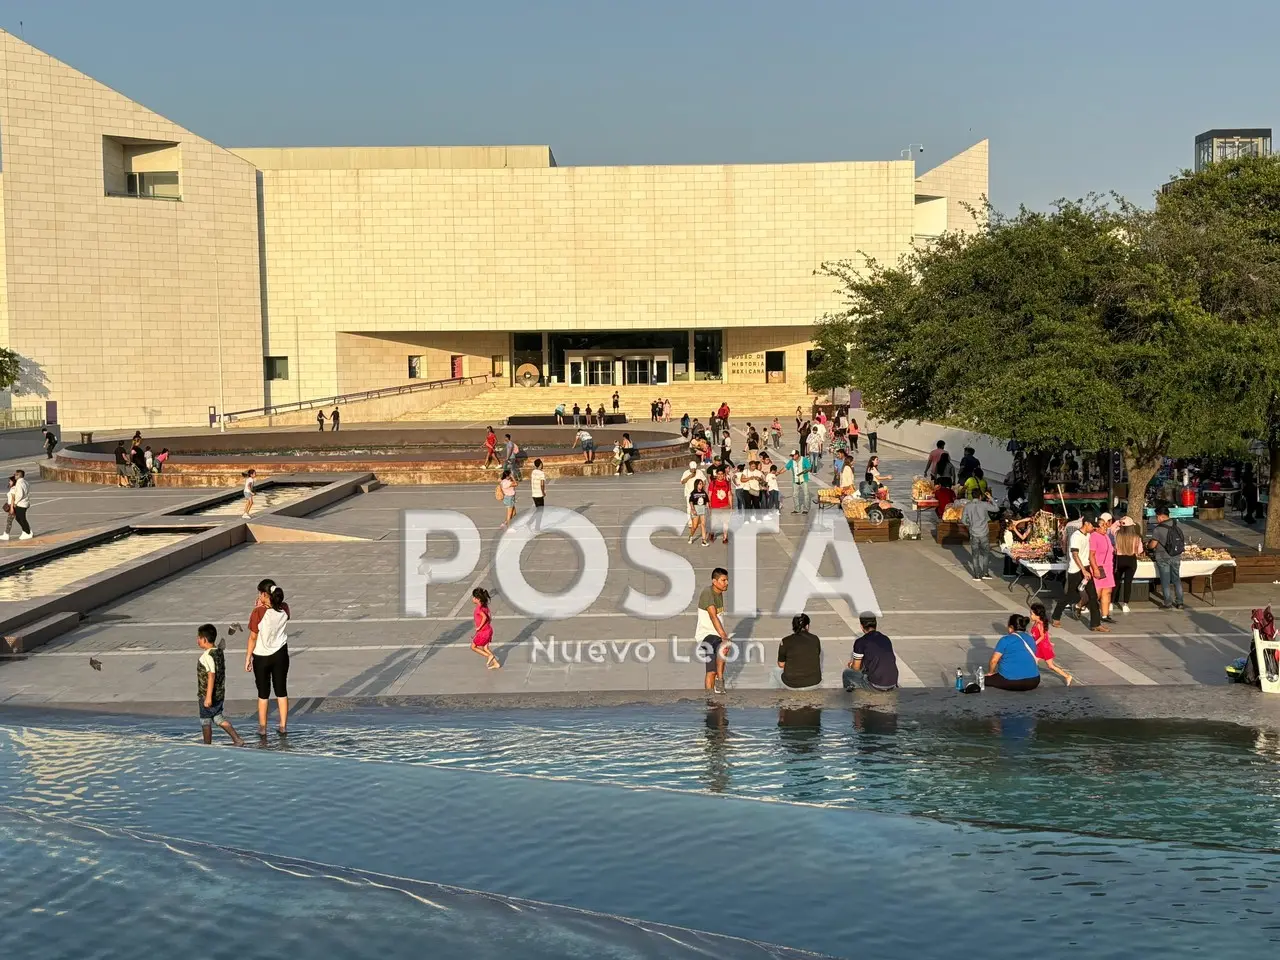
x=712, y=638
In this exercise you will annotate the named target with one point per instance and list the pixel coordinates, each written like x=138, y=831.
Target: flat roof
x=1240, y=133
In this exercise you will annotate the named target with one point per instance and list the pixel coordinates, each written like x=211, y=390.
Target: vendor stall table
x=1146, y=571
x=928, y=503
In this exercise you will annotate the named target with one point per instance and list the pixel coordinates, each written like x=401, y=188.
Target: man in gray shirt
x=976, y=515
x=1168, y=563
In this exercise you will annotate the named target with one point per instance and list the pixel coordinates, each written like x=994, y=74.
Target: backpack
x=1175, y=543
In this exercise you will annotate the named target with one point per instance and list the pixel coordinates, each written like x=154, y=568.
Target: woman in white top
x=248, y=493
x=267, y=657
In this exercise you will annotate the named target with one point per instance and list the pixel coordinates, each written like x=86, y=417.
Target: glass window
x=415, y=368
x=708, y=354
x=275, y=368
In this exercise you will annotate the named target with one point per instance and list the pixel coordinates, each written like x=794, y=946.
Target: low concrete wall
x=922, y=436
x=23, y=443
x=111, y=585
x=379, y=410
x=194, y=465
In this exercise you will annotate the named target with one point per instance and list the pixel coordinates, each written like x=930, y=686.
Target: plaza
x=353, y=642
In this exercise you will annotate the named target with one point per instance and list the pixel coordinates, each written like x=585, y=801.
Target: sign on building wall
x=747, y=366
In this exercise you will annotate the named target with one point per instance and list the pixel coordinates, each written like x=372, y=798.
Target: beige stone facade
x=122, y=307
x=140, y=258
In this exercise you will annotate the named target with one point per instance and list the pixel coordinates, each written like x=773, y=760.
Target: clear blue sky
x=1075, y=95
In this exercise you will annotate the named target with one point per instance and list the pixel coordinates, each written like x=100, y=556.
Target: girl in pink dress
x=1102, y=557
x=484, y=627
x=1044, y=646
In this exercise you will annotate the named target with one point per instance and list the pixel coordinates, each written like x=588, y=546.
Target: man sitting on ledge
x=873, y=663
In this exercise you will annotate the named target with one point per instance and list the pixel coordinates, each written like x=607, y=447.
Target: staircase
x=746, y=401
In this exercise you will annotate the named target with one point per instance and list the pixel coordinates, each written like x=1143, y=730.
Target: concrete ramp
x=277, y=529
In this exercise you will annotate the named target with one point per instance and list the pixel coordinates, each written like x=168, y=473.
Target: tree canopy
x=1058, y=328
x=1220, y=228
x=10, y=368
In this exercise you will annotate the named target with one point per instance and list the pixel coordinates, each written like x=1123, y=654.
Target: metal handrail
x=296, y=405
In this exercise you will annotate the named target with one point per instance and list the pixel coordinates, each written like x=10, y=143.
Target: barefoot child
x=211, y=684
x=1044, y=646
x=249, y=476
x=484, y=627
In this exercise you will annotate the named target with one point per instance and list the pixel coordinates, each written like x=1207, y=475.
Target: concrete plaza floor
x=351, y=640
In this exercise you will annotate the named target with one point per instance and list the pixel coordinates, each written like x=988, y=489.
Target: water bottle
x=981, y=677
x=959, y=680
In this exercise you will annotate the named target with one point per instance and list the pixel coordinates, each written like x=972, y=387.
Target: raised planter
x=394, y=456
x=886, y=531
x=1257, y=568
x=953, y=533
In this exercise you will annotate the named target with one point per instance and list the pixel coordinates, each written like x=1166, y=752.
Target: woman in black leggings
x=267, y=657
x=1128, y=552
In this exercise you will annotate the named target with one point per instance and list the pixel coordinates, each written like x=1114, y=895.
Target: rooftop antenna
x=906, y=154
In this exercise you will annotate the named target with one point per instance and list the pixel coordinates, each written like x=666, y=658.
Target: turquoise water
x=845, y=833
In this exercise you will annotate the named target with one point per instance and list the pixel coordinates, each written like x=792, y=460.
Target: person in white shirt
x=1078, y=578
x=267, y=658
x=772, y=493
x=20, y=497
x=538, y=490
x=751, y=481
x=249, y=480
x=584, y=438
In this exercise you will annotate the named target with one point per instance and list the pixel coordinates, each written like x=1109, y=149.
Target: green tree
x=1220, y=227
x=833, y=342
x=10, y=368
x=1055, y=329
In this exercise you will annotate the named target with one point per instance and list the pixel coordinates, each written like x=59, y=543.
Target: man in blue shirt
x=872, y=662
x=1013, y=665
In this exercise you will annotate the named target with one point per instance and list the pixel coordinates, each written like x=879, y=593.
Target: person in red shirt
x=944, y=495
x=491, y=449
x=721, y=502
x=723, y=413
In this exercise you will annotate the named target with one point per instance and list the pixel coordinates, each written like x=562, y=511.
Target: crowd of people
x=138, y=465
x=598, y=415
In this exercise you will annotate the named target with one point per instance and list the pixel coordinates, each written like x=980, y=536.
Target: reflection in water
x=273, y=496
x=800, y=733
x=717, y=749
x=169, y=829
x=42, y=579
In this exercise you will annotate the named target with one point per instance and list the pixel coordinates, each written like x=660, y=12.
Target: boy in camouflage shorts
x=211, y=684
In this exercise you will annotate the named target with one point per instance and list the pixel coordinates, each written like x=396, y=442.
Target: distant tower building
x=1213, y=145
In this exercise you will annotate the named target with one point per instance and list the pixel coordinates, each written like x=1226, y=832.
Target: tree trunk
x=1037, y=463
x=1140, y=474
x=1271, y=536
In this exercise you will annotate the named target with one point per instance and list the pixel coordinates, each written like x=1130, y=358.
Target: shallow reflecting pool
x=42, y=579
x=641, y=832
x=273, y=496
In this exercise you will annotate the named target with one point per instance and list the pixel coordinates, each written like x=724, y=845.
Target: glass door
x=599, y=373
x=661, y=370
x=575, y=373
x=635, y=370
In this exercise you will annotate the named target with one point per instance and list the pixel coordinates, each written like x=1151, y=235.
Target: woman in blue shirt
x=1013, y=665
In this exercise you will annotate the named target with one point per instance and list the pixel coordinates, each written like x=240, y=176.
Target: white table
x=1146, y=571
